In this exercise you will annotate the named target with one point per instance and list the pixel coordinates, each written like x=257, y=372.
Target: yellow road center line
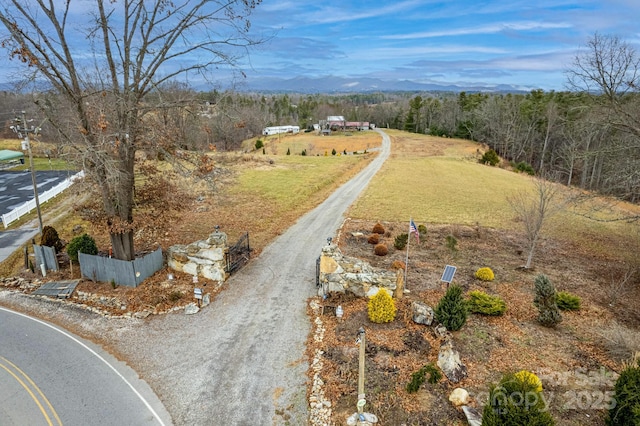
x=33, y=396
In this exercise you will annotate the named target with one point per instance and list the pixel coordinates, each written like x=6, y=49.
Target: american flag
x=413, y=229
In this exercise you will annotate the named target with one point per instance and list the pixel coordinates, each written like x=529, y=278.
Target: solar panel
x=447, y=275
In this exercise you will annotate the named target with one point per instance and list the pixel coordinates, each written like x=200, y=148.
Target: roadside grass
x=11, y=144
x=13, y=264
x=42, y=164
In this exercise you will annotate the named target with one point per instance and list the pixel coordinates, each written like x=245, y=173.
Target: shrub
x=515, y=401
x=50, y=238
x=451, y=243
x=288, y=151
x=344, y=152
x=381, y=249
x=485, y=274
x=626, y=410
x=401, y=241
x=490, y=157
x=259, y=144
x=567, y=301
x=545, y=301
x=304, y=152
x=381, y=307
x=481, y=303
x=398, y=264
x=373, y=239
x=621, y=341
x=81, y=244
x=333, y=151
x=175, y=295
x=451, y=311
x=422, y=230
x=525, y=167
x=378, y=229
x=528, y=377
x=418, y=378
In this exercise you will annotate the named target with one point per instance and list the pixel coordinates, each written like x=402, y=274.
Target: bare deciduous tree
x=532, y=208
x=106, y=69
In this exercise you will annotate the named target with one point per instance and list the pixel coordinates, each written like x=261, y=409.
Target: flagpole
x=406, y=263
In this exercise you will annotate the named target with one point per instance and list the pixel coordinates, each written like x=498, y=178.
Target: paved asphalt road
x=16, y=188
x=11, y=240
x=49, y=377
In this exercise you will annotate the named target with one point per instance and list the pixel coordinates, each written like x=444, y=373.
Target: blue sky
x=527, y=44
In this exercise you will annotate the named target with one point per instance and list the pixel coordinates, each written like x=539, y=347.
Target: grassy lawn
x=439, y=181
x=294, y=181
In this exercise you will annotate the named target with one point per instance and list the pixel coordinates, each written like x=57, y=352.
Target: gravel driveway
x=239, y=361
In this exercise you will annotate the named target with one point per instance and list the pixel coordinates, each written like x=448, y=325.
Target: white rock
x=191, y=309
x=459, y=397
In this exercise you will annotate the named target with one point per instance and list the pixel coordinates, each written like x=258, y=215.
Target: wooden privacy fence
x=45, y=256
x=122, y=272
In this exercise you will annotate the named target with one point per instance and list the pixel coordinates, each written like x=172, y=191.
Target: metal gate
x=238, y=254
x=318, y=272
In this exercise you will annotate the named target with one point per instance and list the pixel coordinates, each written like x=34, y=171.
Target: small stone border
x=22, y=285
x=319, y=405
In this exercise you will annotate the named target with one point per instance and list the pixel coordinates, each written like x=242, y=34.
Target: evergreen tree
x=452, y=309
x=545, y=301
x=626, y=410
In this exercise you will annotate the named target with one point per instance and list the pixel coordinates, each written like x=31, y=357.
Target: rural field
x=440, y=184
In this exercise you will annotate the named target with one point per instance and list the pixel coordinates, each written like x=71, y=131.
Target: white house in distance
x=275, y=130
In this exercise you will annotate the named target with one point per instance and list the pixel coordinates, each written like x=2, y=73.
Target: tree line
x=101, y=112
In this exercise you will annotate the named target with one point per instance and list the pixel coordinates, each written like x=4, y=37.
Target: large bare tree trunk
x=128, y=50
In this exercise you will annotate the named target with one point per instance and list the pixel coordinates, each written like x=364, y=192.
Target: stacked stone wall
x=204, y=258
x=339, y=273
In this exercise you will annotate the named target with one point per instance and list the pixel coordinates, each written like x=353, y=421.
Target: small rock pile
x=20, y=283
x=109, y=302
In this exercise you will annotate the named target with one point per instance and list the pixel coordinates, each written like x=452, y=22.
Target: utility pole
x=20, y=128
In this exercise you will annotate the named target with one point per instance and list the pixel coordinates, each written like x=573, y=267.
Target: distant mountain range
x=333, y=84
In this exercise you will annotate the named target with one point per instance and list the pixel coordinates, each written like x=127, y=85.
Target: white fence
x=27, y=207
